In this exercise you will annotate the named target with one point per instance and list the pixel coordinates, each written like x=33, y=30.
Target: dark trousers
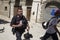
x=18, y=35
x=47, y=35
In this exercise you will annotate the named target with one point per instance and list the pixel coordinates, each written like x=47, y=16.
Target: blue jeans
x=18, y=35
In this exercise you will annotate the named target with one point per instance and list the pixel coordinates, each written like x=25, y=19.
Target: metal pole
x=37, y=12
x=9, y=8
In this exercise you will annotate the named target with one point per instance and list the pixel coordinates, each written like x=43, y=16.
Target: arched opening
x=46, y=9
x=53, y=3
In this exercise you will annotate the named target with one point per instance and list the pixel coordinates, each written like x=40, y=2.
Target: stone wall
x=43, y=14
x=4, y=8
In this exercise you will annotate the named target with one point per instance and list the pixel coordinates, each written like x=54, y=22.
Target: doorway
x=28, y=13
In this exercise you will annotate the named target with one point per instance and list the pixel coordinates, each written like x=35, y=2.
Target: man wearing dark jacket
x=19, y=23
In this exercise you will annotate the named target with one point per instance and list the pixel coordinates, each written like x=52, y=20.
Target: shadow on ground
x=3, y=21
x=26, y=39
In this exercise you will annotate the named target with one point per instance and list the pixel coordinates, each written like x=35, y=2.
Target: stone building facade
x=4, y=7
x=26, y=5
x=39, y=13
x=9, y=7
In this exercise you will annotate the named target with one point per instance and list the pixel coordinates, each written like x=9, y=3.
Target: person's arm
x=19, y=25
x=13, y=21
x=28, y=27
x=26, y=22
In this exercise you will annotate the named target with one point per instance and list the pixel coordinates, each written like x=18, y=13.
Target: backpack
x=28, y=35
x=46, y=23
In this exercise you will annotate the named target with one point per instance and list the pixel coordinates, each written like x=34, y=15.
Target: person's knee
x=55, y=39
x=18, y=37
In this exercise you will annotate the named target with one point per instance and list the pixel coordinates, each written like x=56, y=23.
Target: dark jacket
x=16, y=20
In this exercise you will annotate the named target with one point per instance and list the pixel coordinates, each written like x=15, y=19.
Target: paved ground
x=7, y=34
x=36, y=30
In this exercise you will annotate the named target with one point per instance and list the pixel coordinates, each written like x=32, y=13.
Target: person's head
x=57, y=13
x=19, y=11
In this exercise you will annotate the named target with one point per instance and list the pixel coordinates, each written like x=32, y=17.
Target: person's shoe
x=41, y=38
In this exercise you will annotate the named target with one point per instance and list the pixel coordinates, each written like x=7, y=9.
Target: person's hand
x=14, y=26
x=20, y=24
x=27, y=29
